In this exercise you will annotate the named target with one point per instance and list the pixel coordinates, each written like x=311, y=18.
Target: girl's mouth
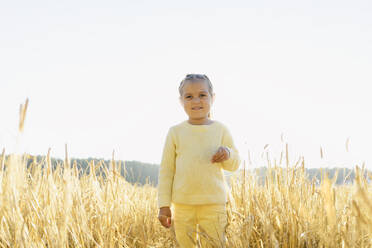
x=196, y=108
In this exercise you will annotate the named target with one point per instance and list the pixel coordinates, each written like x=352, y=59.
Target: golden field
x=41, y=207
x=45, y=207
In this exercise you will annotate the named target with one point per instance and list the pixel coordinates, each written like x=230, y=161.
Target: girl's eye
x=188, y=97
x=203, y=95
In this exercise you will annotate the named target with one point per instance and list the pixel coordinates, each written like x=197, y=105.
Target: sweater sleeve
x=166, y=171
x=232, y=164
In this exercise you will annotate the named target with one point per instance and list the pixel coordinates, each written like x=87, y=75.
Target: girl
x=191, y=178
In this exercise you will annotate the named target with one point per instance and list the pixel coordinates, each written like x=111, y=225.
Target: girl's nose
x=196, y=99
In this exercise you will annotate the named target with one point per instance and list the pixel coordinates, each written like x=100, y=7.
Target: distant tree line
x=133, y=171
x=340, y=175
x=145, y=173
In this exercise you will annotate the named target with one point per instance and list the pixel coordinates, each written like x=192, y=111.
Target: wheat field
x=45, y=207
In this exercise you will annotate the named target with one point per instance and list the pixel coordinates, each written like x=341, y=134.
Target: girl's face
x=196, y=101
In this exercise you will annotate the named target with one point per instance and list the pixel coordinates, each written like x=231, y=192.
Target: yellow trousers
x=206, y=223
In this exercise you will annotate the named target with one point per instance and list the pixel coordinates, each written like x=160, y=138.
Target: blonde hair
x=195, y=78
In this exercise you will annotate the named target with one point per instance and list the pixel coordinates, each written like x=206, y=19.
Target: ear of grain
x=67, y=161
x=362, y=199
x=2, y=160
x=347, y=144
x=22, y=115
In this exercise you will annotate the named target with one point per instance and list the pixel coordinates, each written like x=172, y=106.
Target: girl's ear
x=213, y=97
x=180, y=98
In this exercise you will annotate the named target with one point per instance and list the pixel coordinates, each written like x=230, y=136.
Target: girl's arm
x=166, y=171
x=231, y=164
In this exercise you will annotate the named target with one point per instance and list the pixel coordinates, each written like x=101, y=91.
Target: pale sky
x=104, y=75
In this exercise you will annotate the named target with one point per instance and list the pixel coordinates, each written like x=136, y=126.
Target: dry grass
x=41, y=207
x=291, y=211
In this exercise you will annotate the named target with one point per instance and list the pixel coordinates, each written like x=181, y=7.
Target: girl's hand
x=165, y=216
x=222, y=154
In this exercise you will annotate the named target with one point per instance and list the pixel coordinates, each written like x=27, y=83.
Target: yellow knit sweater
x=186, y=174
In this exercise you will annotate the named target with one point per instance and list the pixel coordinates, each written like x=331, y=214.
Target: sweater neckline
x=200, y=125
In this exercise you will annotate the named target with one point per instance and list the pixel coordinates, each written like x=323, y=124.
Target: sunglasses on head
x=196, y=76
